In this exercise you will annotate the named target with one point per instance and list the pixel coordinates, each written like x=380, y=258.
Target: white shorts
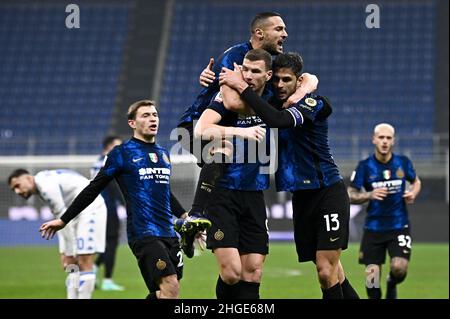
x=67, y=241
x=85, y=234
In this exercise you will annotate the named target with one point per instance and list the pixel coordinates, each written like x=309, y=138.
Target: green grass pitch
x=34, y=272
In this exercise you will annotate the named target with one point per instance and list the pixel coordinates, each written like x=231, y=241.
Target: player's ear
x=269, y=75
x=259, y=34
x=132, y=124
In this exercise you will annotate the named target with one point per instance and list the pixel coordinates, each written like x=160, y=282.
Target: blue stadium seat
x=53, y=80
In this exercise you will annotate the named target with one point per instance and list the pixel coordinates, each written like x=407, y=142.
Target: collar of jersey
x=141, y=141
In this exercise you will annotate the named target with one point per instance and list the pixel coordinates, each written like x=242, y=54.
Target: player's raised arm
x=207, y=76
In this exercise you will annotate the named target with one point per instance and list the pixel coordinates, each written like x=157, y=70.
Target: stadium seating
x=58, y=85
x=370, y=75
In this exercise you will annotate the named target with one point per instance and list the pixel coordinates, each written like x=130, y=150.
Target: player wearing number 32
x=383, y=177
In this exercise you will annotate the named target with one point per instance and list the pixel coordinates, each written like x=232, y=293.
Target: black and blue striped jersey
x=304, y=156
x=391, y=212
x=142, y=171
x=247, y=172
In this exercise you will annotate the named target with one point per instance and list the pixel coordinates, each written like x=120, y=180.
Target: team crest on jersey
x=166, y=158
x=400, y=173
x=153, y=157
x=219, y=235
x=387, y=174
x=161, y=264
x=310, y=102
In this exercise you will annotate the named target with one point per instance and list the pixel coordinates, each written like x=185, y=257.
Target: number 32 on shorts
x=332, y=222
x=404, y=240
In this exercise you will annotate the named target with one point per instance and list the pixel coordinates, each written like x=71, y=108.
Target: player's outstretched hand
x=379, y=193
x=254, y=133
x=207, y=76
x=309, y=83
x=49, y=229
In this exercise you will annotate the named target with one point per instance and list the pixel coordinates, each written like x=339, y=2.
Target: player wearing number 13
x=383, y=177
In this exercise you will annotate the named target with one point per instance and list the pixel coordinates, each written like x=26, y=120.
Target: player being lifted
x=238, y=235
x=383, y=176
x=268, y=32
x=142, y=169
x=79, y=242
x=306, y=168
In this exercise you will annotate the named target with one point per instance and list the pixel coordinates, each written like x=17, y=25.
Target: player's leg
x=252, y=269
x=209, y=174
x=332, y=214
x=327, y=266
x=112, y=242
x=399, y=249
x=90, y=229
x=230, y=269
x=372, y=254
x=347, y=289
x=399, y=269
x=87, y=276
x=160, y=261
x=223, y=239
x=69, y=262
x=253, y=243
x=169, y=287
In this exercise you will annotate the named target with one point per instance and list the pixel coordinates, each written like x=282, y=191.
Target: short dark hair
x=261, y=18
x=132, y=110
x=291, y=60
x=18, y=172
x=260, y=55
x=109, y=139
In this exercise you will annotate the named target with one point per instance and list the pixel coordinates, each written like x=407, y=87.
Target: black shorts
x=239, y=221
x=187, y=142
x=375, y=244
x=158, y=257
x=321, y=218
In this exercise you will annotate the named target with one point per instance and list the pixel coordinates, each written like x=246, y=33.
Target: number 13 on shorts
x=332, y=222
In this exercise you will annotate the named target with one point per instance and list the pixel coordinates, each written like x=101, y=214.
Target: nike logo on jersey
x=334, y=239
x=137, y=159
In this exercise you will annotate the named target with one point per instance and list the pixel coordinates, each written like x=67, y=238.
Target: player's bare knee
x=399, y=267
x=398, y=271
x=230, y=274
x=169, y=287
x=327, y=272
x=86, y=262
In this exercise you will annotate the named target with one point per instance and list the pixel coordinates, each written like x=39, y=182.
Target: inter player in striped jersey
x=142, y=169
x=306, y=168
x=383, y=176
x=268, y=32
x=239, y=235
x=79, y=242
